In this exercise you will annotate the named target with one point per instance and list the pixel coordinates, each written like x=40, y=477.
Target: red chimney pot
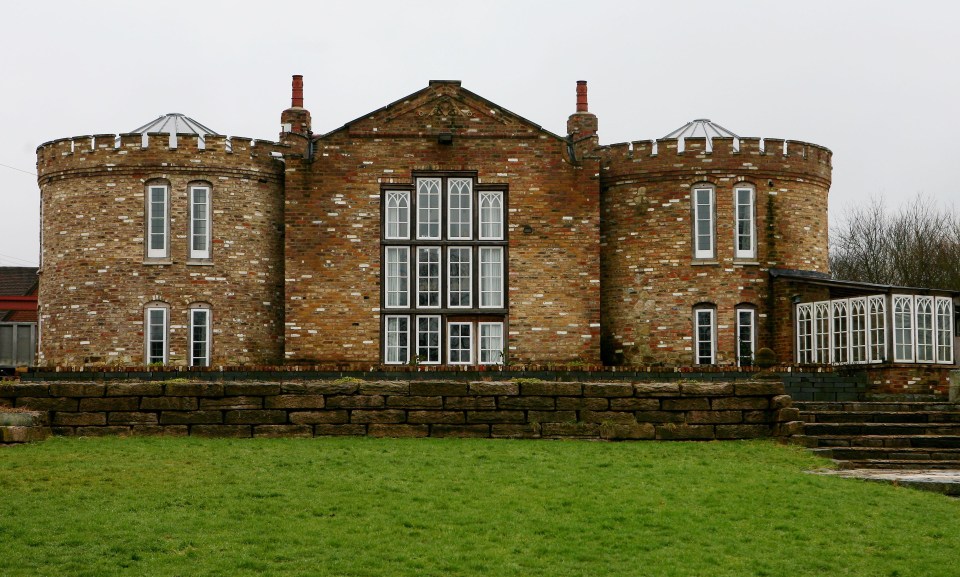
x=581, y=96
x=297, y=100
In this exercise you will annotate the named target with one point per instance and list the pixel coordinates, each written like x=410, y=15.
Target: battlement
x=134, y=149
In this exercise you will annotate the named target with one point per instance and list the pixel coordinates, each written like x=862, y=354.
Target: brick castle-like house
x=443, y=229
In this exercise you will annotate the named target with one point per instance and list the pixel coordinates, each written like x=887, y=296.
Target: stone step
x=900, y=464
x=895, y=441
x=919, y=454
x=893, y=429
x=880, y=416
x=13, y=434
x=877, y=406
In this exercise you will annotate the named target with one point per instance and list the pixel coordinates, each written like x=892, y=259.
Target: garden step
x=889, y=453
x=896, y=441
x=880, y=416
x=881, y=406
x=901, y=464
x=862, y=429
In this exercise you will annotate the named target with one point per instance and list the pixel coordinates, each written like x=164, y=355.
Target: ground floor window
x=855, y=330
x=442, y=339
x=746, y=336
x=156, y=333
x=199, y=337
x=705, y=330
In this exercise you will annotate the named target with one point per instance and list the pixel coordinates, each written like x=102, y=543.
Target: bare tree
x=917, y=246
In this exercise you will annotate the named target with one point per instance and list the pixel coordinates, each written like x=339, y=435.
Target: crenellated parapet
x=82, y=155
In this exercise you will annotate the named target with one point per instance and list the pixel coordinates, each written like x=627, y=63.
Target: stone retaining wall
x=522, y=408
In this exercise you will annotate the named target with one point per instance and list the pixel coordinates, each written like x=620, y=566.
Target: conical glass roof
x=174, y=123
x=701, y=128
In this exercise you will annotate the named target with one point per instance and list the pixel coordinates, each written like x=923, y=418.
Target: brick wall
x=650, y=280
x=522, y=408
x=95, y=281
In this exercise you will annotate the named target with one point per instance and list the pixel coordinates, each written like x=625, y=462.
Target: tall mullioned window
x=158, y=221
x=157, y=322
x=703, y=222
x=745, y=243
x=444, y=286
x=200, y=337
x=705, y=333
x=200, y=222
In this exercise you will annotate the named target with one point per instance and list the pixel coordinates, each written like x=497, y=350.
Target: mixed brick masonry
x=523, y=408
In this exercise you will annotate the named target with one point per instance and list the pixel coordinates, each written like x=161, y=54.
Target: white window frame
x=900, y=332
x=421, y=277
x=423, y=351
x=750, y=222
x=925, y=330
x=163, y=233
x=859, y=331
x=397, y=218
x=805, y=333
x=459, y=217
x=461, y=278
x=206, y=220
x=491, y=286
x=203, y=361
x=491, y=201
x=704, y=213
x=822, y=327
x=840, y=331
x=752, y=328
x=944, y=330
x=469, y=350
x=878, y=338
x=486, y=354
x=149, y=337
x=401, y=350
x=399, y=269
x=711, y=315
x=428, y=190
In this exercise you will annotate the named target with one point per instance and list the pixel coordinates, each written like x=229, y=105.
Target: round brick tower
x=178, y=221
x=695, y=224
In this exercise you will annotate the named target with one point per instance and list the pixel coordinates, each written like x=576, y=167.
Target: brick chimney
x=295, y=119
x=582, y=124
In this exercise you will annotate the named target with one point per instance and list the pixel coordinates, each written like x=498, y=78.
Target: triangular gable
x=443, y=106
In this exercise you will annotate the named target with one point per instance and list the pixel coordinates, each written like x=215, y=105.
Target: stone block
x=627, y=431
x=161, y=430
x=660, y=416
x=23, y=434
x=551, y=416
x=656, y=389
x=459, y=430
x=6, y=403
x=236, y=403
x=109, y=404
x=582, y=403
x=190, y=417
x=64, y=431
x=169, y=403
x=79, y=419
x=431, y=417
x=433, y=389
x=48, y=403
x=470, y=403
x=686, y=404
x=328, y=388
x=134, y=389
x=570, y=430
x=743, y=431
x=77, y=390
x=762, y=388
x=240, y=431
x=385, y=388
x=607, y=417
x=781, y=402
x=332, y=430
x=378, y=416
x=405, y=402
x=25, y=390
x=785, y=415
x=714, y=417
x=634, y=404
x=526, y=431
x=355, y=402
x=524, y=402
x=274, y=431
x=397, y=430
x=706, y=389
x=495, y=417
x=551, y=389
x=294, y=402
x=319, y=417
x=741, y=403
x=193, y=389
x=684, y=432
x=251, y=389
x=255, y=417
x=111, y=431
x=482, y=388
x=608, y=390
x=757, y=416
x=788, y=429
x=132, y=418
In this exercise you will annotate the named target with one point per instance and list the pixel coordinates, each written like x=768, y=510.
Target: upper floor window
x=460, y=209
x=745, y=229
x=200, y=222
x=491, y=215
x=397, y=214
x=703, y=222
x=158, y=221
x=428, y=208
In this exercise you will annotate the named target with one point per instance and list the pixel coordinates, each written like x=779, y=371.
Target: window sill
x=696, y=262
x=158, y=261
x=746, y=262
x=199, y=262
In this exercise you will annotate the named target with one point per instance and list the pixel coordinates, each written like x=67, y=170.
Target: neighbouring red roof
x=18, y=281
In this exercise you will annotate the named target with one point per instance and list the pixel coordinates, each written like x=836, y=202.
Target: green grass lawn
x=446, y=507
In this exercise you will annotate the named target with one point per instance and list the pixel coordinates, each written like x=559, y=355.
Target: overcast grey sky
x=876, y=82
